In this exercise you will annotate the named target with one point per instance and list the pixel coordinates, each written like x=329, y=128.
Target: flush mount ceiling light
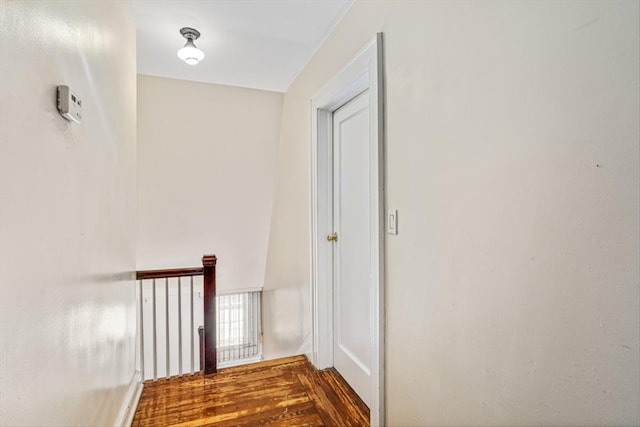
x=190, y=53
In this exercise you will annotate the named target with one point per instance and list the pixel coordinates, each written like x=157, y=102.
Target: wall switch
x=392, y=221
x=69, y=104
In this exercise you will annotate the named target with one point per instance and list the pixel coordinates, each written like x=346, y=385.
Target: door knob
x=332, y=237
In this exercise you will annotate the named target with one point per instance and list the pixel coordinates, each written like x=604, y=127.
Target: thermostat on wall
x=69, y=104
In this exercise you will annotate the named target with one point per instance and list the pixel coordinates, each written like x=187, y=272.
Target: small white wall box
x=69, y=104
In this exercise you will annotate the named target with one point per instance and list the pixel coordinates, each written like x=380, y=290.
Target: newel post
x=209, y=275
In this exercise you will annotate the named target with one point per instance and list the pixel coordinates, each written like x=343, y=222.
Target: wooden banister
x=209, y=276
x=168, y=273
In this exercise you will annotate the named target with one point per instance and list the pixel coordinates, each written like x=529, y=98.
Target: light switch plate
x=392, y=221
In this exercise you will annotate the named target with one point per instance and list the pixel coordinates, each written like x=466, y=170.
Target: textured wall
x=206, y=176
x=512, y=156
x=67, y=213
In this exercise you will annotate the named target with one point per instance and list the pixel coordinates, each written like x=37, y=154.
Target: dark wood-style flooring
x=282, y=392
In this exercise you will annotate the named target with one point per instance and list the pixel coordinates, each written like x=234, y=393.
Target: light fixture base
x=190, y=33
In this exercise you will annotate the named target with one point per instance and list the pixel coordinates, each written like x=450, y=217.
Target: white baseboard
x=128, y=410
x=306, y=348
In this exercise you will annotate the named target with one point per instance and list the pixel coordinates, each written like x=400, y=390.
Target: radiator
x=239, y=328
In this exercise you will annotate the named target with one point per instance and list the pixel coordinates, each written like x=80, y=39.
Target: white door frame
x=361, y=73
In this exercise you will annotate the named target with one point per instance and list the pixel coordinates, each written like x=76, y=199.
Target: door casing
x=363, y=72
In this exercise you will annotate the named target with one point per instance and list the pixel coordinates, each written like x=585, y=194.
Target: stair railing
x=208, y=348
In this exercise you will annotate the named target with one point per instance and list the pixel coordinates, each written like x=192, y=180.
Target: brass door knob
x=332, y=237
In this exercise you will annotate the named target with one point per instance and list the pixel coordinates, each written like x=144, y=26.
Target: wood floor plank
x=326, y=410
x=206, y=410
x=351, y=407
x=240, y=413
x=281, y=392
x=221, y=395
x=291, y=415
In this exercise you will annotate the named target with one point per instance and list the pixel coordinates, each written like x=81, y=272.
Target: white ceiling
x=260, y=44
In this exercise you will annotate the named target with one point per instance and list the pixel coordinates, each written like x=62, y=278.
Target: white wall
x=512, y=156
x=67, y=213
x=206, y=174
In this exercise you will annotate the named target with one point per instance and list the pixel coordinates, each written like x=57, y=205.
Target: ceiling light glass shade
x=190, y=53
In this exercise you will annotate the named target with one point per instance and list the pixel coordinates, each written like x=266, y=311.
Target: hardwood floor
x=282, y=392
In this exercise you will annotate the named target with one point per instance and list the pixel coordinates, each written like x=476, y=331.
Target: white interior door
x=352, y=255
